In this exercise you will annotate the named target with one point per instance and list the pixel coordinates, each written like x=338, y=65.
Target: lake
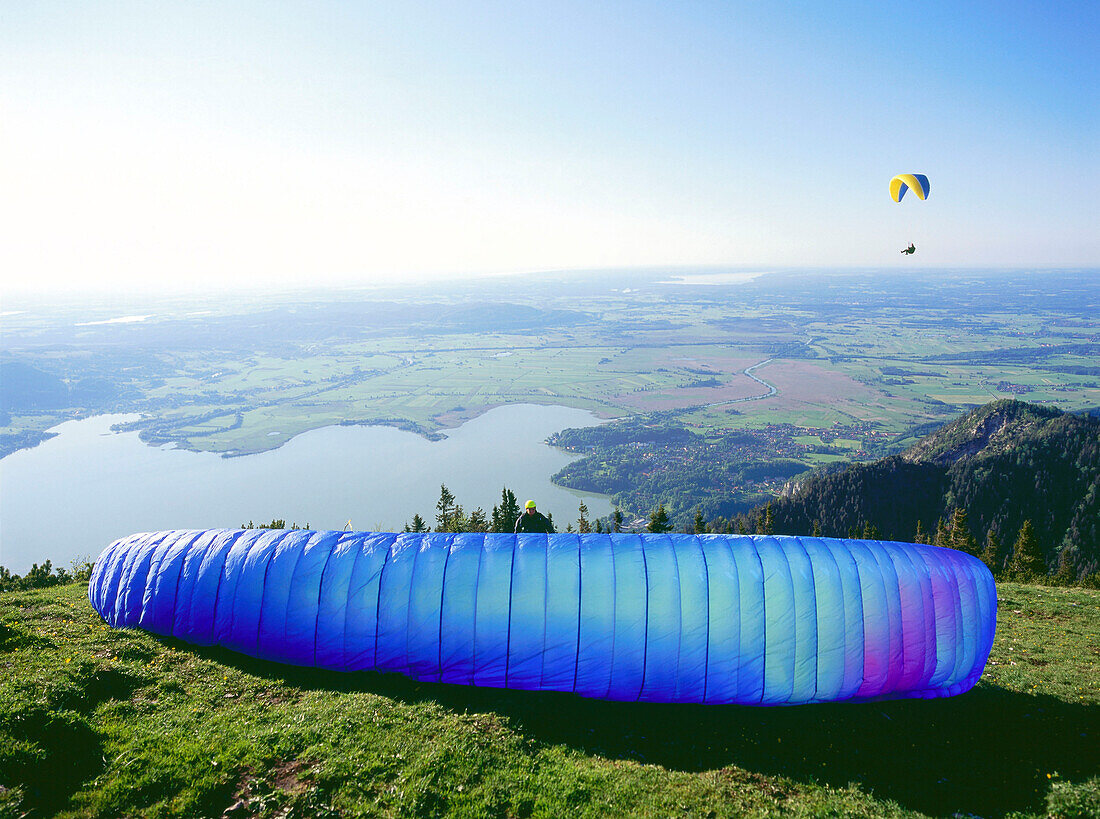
x=72, y=495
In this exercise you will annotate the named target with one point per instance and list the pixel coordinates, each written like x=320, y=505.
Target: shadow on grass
x=986, y=752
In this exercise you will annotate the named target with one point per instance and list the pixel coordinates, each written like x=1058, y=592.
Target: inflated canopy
x=904, y=181
x=665, y=618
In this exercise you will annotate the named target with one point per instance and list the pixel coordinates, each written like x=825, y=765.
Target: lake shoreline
x=90, y=484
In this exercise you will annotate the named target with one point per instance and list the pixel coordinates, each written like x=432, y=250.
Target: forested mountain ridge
x=994, y=428
x=1002, y=466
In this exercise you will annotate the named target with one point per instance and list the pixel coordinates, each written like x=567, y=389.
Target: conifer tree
x=943, y=535
x=920, y=536
x=583, y=525
x=459, y=521
x=617, y=520
x=477, y=522
x=993, y=554
x=699, y=525
x=417, y=525
x=445, y=510
x=505, y=515
x=599, y=526
x=765, y=524
x=1027, y=556
x=658, y=520
x=1067, y=568
x=961, y=537
x=817, y=528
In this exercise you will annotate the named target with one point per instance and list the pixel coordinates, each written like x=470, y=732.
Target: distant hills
x=1003, y=466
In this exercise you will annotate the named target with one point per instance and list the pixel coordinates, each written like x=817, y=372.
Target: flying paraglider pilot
x=533, y=521
x=909, y=251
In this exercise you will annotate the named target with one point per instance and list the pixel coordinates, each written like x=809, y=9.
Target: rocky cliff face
x=988, y=430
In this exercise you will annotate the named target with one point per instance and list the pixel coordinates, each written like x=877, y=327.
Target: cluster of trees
x=642, y=463
x=40, y=577
x=1003, y=466
x=276, y=523
x=451, y=517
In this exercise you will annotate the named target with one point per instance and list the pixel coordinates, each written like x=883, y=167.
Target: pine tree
x=417, y=525
x=817, y=528
x=699, y=525
x=658, y=520
x=1027, y=556
x=920, y=536
x=599, y=526
x=1067, y=568
x=477, y=522
x=459, y=522
x=505, y=515
x=617, y=520
x=943, y=535
x=961, y=537
x=765, y=524
x=445, y=510
x=583, y=525
x=993, y=553
x=870, y=531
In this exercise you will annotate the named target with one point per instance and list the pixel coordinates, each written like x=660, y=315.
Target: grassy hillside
x=97, y=722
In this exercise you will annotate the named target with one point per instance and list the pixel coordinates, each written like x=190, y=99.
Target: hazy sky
x=269, y=143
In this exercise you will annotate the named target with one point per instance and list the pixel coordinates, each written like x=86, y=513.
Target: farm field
x=821, y=351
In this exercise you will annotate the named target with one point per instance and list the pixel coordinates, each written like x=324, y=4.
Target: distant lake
x=74, y=494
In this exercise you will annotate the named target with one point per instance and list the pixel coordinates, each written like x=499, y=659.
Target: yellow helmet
x=529, y=505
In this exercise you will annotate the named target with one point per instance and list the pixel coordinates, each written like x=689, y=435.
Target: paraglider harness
x=534, y=522
x=909, y=251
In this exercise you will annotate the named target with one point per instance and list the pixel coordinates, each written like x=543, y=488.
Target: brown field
x=678, y=397
x=812, y=383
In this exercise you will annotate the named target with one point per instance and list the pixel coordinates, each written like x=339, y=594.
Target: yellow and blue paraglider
x=918, y=182
x=904, y=181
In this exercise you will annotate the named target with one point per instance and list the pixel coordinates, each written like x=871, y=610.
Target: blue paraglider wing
x=663, y=618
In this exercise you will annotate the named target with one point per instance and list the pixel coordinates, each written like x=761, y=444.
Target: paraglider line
x=508, y=639
x=580, y=592
x=473, y=640
x=817, y=633
x=442, y=591
x=614, y=585
x=320, y=590
x=176, y=596
x=764, y=622
x=679, y=606
x=378, y=602
x=408, y=611
x=706, y=650
x=217, y=590
x=267, y=568
x=545, y=611
x=645, y=638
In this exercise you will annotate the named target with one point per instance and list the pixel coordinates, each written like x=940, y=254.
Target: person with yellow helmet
x=533, y=521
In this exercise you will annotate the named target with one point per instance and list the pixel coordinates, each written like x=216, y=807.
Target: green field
x=838, y=349
x=102, y=723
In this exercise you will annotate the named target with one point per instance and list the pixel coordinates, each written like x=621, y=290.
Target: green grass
x=98, y=722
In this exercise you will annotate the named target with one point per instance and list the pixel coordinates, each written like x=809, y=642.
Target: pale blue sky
x=144, y=144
